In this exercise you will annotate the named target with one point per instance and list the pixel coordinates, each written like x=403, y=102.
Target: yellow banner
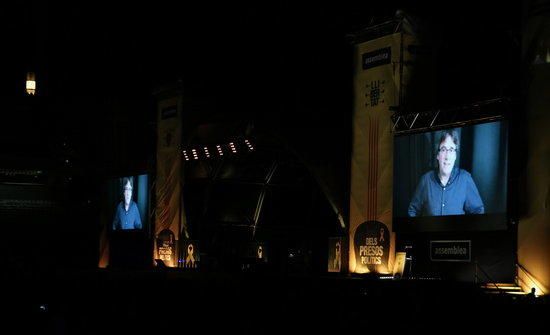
x=168, y=181
x=376, y=87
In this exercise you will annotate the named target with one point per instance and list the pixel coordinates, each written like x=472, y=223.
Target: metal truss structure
x=482, y=111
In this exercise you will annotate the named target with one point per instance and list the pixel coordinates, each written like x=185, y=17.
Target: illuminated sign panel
x=451, y=251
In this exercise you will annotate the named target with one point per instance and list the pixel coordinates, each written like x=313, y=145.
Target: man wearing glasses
x=447, y=190
x=127, y=213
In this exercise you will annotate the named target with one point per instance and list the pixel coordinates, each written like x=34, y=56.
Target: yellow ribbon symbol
x=190, y=259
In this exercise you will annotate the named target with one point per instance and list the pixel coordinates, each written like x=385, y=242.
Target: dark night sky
x=215, y=48
x=280, y=63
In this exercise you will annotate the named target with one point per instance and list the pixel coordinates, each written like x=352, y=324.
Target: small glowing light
x=195, y=155
x=233, y=149
x=250, y=147
x=31, y=83
x=206, y=152
x=220, y=152
x=185, y=155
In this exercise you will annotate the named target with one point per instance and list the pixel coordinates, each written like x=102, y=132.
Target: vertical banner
x=103, y=261
x=399, y=264
x=534, y=199
x=166, y=246
x=377, y=72
x=258, y=251
x=335, y=245
x=191, y=254
x=168, y=181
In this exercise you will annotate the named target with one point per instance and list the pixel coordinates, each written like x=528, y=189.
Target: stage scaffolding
x=477, y=112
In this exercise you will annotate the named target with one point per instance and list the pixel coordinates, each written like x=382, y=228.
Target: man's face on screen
x=127, y=193
x=446, y=156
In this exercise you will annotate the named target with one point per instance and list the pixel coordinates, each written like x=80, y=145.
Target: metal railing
x=531, y=278
x=491, y=281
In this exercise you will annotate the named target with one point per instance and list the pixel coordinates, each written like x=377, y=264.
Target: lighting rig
x=205, y=152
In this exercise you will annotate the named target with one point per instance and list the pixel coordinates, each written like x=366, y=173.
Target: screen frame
x=456, y=223
x=146, y=226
